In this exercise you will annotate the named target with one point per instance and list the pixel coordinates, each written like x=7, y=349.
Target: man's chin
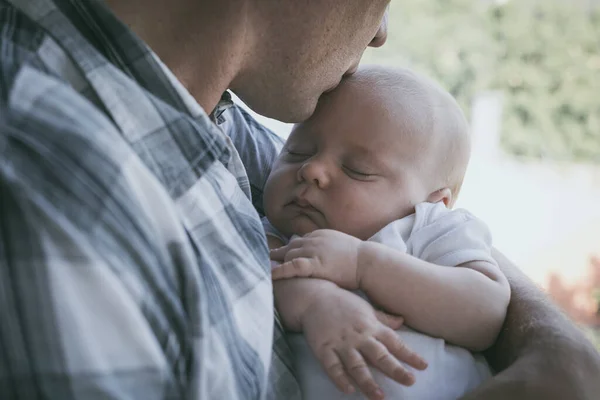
x=297, y=110
x=289, y=110
x=298, y=114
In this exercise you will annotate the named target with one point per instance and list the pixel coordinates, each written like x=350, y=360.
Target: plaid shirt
x=132, y=262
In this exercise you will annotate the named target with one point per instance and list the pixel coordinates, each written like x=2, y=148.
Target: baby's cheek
x=350, y=217
x=275, y=187
x=367, y=213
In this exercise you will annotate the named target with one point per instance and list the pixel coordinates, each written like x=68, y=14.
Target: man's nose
x=381, y=35
x=314, y=172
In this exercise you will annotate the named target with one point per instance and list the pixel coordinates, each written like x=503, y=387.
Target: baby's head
x=379, y=144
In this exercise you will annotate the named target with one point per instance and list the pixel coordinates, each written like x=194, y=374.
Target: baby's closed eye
x=297, y=153
x=358, y=173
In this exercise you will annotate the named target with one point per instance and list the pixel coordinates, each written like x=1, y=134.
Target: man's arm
x=539, y=353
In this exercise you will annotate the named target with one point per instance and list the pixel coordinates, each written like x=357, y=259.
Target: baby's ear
x=444, y=195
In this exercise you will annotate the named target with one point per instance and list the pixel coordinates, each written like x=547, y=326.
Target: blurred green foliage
x=594, y=335
x=544, y=55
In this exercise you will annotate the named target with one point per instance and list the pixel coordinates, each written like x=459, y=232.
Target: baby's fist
x=323, y=254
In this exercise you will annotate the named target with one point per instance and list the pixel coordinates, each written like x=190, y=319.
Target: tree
x=544, y=55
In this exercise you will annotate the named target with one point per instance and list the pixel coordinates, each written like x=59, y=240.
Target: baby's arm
x=451, y=295
x=291, y=308
x=465, y=305
x=345, y=333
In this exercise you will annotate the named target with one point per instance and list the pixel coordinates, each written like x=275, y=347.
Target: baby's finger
x=279, y=253
x=391, y=321
x=336, y=372
x=297, y=268
x=300, y=252
x=399, y=350
x=379, y=357
x=357, y=368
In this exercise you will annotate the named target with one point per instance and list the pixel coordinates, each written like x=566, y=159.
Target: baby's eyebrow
x=363, y=151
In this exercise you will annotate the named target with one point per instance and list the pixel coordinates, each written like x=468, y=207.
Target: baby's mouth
x=301, y=207
x=304, y=205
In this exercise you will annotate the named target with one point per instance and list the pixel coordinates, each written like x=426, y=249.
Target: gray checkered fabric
x=133, y=264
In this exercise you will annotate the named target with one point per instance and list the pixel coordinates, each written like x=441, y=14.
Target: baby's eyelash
x=353, y=171
x=294, y=151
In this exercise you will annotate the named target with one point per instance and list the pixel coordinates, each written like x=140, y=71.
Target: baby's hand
x=323, y=254
x=347, y=335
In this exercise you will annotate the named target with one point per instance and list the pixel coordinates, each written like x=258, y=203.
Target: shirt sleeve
x=449, y=237
x=257, y=146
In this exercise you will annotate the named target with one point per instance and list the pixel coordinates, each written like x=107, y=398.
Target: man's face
x=351, y=167
x=307, y=47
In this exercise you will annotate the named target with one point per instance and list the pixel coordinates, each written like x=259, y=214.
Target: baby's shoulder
x=427, y=214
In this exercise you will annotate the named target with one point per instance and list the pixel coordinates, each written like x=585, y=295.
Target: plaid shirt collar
x=91, y=24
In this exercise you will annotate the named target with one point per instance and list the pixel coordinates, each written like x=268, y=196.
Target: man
x=132, y=263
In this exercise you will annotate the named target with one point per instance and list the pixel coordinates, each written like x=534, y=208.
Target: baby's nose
x=314, y=172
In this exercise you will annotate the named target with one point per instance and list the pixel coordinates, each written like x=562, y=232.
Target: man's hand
x=346, y=335
x=539, y=354
x=323, y=254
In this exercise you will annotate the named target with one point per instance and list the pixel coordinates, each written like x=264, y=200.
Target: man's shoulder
x=58, y=147
x=43, y=108
x=44, y=97
x=20, y=41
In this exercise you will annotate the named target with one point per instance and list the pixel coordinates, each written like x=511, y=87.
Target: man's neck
x=204, y=43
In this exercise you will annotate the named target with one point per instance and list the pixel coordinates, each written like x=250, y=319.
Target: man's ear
x=444, y=195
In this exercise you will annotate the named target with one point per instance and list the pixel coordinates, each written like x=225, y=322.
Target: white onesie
x=440, y=236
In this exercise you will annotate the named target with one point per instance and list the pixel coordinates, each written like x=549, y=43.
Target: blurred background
x=527, y=74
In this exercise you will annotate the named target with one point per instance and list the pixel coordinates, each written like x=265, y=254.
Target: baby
x=366, y=188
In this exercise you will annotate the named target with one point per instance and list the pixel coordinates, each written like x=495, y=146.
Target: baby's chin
x=300, y=225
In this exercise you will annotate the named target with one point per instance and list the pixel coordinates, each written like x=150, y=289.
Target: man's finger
x=336, y=372
x=297, y=268
x=391, y=321
x=357, y=368
x=392, y=342
x=380, y=358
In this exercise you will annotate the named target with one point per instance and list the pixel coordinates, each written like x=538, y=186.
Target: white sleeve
x=394, y=234
x=449, y=237
x=271, y=231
